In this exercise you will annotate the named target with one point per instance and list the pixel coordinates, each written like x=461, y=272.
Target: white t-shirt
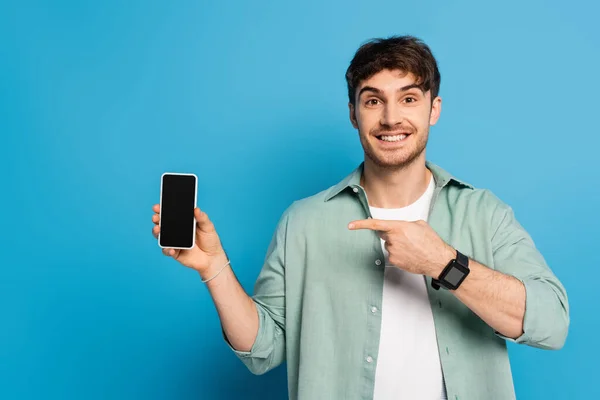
x=408, y=364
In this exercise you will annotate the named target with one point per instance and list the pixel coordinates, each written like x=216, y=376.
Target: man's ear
x=353, y=115
x=436, y=110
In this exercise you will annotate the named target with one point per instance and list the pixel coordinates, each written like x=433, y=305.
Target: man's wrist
x=447, y=254
x=217, y=264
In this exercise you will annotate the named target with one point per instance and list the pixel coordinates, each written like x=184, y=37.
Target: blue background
x=97, y=99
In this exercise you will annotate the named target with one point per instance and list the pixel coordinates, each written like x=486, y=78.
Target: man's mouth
x=393, y=138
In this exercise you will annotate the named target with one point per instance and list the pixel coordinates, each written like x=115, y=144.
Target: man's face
x=393, y=116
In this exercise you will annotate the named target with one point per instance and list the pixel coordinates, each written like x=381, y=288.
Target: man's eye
x=410, y=100
x=372, y=102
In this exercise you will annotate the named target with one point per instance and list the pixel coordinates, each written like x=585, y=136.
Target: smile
x=394, y=138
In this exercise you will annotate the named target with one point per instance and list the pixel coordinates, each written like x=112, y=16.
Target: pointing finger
x=372, y=224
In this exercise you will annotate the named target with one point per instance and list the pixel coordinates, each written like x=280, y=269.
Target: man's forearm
x=497, y=298
x=237, y=310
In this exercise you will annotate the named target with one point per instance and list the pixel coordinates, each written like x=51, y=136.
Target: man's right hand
x=207, y=255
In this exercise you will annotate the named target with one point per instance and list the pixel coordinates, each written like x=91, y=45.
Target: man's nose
x=392, y=115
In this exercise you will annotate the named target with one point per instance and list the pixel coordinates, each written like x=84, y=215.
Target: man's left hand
x=412, y=246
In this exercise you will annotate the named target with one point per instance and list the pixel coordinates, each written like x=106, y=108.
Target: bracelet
x=217, y=274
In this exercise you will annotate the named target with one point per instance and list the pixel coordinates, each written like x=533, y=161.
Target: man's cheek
x=368, y=124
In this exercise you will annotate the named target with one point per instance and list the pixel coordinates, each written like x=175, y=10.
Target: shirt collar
x=441, y=177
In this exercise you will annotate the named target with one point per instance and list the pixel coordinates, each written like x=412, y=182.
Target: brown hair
x=405, y=53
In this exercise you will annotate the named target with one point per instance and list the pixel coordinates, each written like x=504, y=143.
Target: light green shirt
x=320, y=281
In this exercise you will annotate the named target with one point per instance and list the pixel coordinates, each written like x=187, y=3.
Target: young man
x=399, y=282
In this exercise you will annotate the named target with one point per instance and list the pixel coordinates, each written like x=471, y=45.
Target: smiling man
x=399, y=282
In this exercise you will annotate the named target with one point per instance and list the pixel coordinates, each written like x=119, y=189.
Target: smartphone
x=177, y=202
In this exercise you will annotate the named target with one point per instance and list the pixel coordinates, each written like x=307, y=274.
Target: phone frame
x=162, y=177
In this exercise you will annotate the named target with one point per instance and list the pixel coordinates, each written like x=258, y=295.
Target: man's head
x=393, y=89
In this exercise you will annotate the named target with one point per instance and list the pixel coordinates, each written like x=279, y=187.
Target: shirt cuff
x=258, y=348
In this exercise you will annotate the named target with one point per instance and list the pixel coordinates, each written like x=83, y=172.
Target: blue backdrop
x=97, y=99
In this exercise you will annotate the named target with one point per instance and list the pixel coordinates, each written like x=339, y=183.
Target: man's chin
x=396, y=161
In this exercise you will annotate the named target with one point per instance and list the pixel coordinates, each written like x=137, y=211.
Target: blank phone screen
x=177, y=221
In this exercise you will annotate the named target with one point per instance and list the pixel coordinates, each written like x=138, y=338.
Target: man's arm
x=497, y=298
x=237, y=311
x=256, y=331
x=253, y=327
x=520, y=298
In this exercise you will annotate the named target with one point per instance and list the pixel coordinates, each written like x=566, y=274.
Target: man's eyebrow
x=378, y=91
x=369, y=89
x=411, y=86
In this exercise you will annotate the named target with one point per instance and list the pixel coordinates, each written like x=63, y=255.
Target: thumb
x=203, y=222
x=197, y=214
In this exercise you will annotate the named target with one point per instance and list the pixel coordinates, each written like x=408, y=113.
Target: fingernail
x=350, y=226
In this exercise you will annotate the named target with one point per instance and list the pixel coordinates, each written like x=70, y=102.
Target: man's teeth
x=393, y=138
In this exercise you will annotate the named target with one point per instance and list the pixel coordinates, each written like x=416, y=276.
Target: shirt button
x=355, y=190
x=369, y=359
x=378, y=262
x=373, y=310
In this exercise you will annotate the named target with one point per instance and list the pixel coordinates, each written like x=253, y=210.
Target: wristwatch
x=453, y=274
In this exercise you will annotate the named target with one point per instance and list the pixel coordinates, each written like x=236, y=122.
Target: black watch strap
x=435, y=284
x=462, y=259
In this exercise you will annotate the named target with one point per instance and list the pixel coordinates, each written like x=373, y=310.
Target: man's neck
x=395, y=188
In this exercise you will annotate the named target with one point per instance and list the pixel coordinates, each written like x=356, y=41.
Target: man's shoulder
x=317, y=205
x=461, y=191
x=480, y=205
x=477, y=197
x=310, y=204
x=474, y=193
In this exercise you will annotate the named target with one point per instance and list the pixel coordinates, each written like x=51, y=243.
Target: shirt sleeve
x=546, y=320
x=268, y=350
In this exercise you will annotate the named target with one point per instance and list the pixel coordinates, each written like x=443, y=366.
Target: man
x=399, y=282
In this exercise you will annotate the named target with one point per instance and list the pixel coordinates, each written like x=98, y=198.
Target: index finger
x=156, y=208
x=373, y=224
